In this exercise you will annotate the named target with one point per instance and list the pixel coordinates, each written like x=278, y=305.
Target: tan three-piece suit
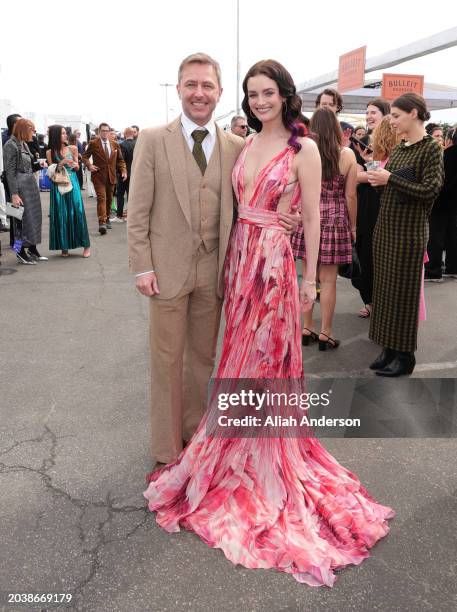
x=179, y=225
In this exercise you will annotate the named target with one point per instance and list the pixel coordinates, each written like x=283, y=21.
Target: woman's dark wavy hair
x=291, y=110
x=327, y=133
x=55, y=142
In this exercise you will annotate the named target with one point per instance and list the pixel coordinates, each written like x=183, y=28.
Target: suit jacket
x=106, y=168
x=447, y=200
x=127, y=147
x=159, y=227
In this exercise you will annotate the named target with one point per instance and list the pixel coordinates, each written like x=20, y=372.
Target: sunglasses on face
x=243, y=127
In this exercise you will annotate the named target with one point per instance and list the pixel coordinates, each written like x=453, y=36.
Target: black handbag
x=352, y=270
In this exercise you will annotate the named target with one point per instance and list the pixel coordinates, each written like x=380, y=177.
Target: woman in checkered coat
x=338, y=212
x=411, y=181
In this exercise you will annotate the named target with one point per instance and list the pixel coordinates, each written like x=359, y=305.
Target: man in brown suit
x=107, y=157
x=180, y=218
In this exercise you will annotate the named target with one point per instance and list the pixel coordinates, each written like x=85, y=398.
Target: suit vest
x=205, y=199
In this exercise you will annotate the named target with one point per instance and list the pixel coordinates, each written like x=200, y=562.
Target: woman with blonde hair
x=367, y=199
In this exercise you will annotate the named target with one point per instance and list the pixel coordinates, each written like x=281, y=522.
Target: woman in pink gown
x=281, y=502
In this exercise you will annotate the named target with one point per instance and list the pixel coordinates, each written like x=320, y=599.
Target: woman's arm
x=309, y=174
x=350, y=190
x=10, y=157
x=432, y=178
x=74, y=152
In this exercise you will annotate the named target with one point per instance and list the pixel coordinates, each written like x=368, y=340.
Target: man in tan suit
x=180, y=218
x=107, y=157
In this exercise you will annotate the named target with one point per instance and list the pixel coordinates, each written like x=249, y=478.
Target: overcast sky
x=111, y=56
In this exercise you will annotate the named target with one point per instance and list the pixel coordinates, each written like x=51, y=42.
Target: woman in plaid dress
x=338, y=211
x=411, y=181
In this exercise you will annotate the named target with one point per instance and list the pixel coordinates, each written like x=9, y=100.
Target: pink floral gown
x=282, y=503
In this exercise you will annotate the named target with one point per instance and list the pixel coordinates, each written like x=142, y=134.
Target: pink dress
x=335, y=246
x=282, y=503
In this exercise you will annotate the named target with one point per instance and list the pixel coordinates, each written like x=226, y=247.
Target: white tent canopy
x=438, y=97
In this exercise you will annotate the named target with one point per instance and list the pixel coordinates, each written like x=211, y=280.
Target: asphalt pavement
x=74, y=454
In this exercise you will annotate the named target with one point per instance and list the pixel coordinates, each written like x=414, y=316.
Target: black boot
x=383, y=359
x=402, y=364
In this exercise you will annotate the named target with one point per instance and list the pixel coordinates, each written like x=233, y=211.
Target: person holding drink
x=409, y=185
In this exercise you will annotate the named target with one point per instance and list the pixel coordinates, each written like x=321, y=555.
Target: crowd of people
x=107, y=159
x=350, y=205
x=421, y=236
x=322, y=191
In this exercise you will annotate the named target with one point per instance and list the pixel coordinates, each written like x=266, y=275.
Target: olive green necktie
x=199, y=136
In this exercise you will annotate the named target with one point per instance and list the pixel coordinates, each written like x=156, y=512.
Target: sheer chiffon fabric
x=282, y=503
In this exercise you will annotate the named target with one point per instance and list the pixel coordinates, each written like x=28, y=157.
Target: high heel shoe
x=329, y=343
x=306, y=339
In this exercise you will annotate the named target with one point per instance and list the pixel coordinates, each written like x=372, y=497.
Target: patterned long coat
x=400, y=241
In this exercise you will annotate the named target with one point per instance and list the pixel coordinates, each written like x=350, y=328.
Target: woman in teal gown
x=68, y=225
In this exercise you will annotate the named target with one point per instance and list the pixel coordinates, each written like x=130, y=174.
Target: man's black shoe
x=102, y=229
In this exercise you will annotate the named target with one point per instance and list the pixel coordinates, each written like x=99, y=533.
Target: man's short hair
x=136, y=127
x=235, y=119
x=337, y=99
x=200, y=58
x=103, y=125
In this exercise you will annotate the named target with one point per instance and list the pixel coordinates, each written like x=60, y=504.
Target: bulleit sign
x=395, y=85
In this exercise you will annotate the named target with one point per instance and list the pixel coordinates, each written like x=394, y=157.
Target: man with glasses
x=239, y=126
x=106, y=158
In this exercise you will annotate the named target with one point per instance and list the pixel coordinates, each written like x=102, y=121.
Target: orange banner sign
x=394, y=85
x=351, y=70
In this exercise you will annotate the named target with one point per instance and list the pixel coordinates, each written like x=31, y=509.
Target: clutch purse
x=12, y=211
x=61, y=177
x=405, y=173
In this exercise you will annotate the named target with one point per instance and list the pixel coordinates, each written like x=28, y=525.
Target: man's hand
x=93, y=168
x=124, y=176
x=147, y=284
x=290, y=220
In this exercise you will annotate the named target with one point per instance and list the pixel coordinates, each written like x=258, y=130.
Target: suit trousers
x=104, y=192
x=442, y=237
x=183, y=337
x=122, y=189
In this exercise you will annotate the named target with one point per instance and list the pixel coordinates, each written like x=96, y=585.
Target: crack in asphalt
x=84, y=505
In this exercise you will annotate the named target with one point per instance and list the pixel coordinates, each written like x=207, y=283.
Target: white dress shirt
x=107, y=144
x=188, y=126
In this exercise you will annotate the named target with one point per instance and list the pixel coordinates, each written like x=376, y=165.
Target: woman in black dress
x=367, y=208
x=410, y=184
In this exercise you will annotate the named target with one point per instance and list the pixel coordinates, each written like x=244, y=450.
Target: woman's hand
x=379, y=177
x=16, y=200
x=307, y=295
x=366, y=154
